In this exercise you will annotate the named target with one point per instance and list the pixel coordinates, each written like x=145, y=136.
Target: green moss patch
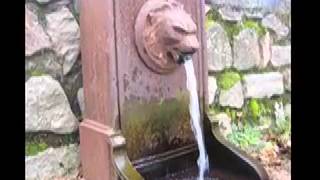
x=214, y=15
x=38, y=142
x=259, y=29
x=32, y=148
x=209, y=21
x=232, y=29
x=255, y=111
x=231, y=112
x=228, y=79
x=36, y=72
x=215, y=109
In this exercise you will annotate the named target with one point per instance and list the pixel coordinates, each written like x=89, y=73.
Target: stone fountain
x=137, y=123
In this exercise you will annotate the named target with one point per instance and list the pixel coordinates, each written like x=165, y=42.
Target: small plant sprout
x=279, y=112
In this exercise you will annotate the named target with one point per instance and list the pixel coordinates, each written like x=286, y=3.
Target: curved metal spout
x=224, y=152
x=123, y=166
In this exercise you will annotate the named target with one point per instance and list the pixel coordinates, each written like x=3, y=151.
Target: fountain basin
x=227, y=162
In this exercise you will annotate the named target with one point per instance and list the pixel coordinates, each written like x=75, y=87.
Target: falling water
x=194, y=109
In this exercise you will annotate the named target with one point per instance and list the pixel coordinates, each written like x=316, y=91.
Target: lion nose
x=192, y=50
x=192, y=44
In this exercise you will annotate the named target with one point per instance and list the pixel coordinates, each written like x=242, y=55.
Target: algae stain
x=153, y=127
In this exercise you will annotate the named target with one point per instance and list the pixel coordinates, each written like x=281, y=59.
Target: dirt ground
x=277, y=162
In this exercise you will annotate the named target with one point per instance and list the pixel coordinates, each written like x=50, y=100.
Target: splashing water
x=203, y=163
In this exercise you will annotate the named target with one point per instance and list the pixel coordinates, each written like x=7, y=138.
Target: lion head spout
x=164, y=32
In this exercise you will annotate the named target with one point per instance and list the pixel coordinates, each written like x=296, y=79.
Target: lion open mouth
x=179, y=56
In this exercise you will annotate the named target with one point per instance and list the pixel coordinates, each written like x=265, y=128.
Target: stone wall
x=53, y=89
x=248, y=58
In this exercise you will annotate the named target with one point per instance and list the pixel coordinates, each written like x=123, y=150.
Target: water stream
x=194, y=109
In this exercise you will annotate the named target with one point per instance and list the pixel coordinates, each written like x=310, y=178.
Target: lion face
x=169, y=33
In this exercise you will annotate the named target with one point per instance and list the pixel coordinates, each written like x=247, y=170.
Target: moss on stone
x=255, y=112
x=231, y=112
x=209, y=23
x=213, y=15
x=215, y=109
x=36, y=72
x=210, y=19
x=38, y=142
x=32, y=148
x=232, y=29
x=256, y=26
x=228, y=79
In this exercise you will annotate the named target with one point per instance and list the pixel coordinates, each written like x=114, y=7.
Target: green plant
x=282, y=130
x=228, y=79
x=233, y=114
x=259, y=111
x=246, y=137
x=265, y=108
x=254, y=109
x=230, y=112
x=32, y=148
x=282, y=125
x=264, y=122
